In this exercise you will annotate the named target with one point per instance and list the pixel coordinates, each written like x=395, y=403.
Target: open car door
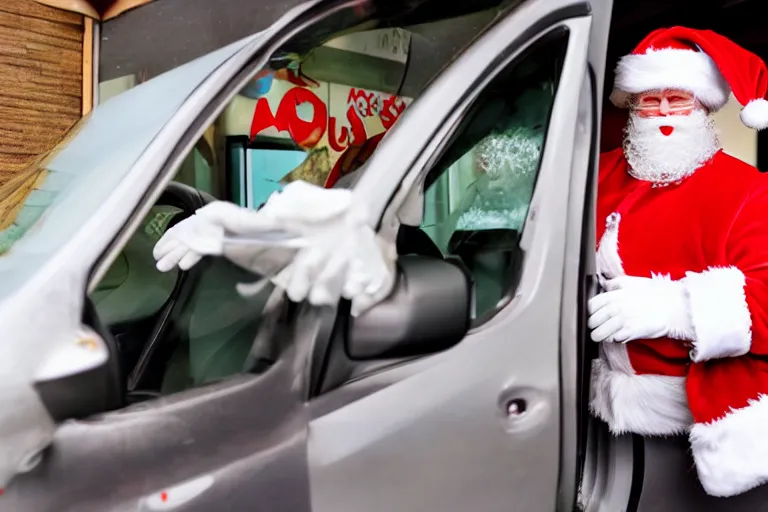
x=465, y=389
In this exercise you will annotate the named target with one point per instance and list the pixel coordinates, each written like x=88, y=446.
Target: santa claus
x=682, y=256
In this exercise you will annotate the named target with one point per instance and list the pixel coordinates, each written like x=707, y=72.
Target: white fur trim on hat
x=731, y=453
x=670, y=69
x=719, y=313
x=755, y=114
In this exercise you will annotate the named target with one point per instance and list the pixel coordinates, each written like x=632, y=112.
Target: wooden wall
x=41, y=91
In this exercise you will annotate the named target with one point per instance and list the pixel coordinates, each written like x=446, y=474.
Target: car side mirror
x=73, y=381
x=82, y=378
x=429, y=310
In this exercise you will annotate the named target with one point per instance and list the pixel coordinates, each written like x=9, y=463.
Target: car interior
x=184, y=329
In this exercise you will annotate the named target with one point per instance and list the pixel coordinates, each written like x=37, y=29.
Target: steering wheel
x=188, y=200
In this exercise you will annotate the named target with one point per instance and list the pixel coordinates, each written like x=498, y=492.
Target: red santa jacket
x=711, y=231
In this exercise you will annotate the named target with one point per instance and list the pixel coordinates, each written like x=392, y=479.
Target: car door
x=239, y=444
x=492, y=423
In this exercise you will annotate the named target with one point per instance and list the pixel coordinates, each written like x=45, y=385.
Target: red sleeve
x=747, y=250
x=729, y=304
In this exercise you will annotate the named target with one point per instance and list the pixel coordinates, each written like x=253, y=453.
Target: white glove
x=184, y=244
x=346, y=259
x=634, y=308
x=300, y=209
x=328, y=251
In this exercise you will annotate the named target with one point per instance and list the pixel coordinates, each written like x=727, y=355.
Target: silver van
x=466, y=390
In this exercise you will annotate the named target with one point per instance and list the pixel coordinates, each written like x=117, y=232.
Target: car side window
x=132, y=291
x=313, y=117
x=201, y=169
x=178, y=329
x=477, y=197
x=132, y=287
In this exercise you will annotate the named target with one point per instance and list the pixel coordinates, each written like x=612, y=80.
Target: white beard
x=659, y=158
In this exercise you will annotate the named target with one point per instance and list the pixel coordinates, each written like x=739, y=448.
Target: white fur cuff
x=719, y=313
x=731, y=454
x=651, y=405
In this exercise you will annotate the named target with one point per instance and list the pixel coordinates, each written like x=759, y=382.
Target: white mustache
x=675, y=121
x=654, y=156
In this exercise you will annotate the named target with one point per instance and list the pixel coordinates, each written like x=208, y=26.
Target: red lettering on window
x=364, y=103
x=304, y=133
x=391, y=110
x=343, y=140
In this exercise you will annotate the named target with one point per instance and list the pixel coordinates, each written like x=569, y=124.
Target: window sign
x=298, y=129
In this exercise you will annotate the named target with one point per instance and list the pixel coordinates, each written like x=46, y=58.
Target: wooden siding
x=41, y=89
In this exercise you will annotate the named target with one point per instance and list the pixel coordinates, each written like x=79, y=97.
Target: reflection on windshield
x=507, y=161
x=47, y=203
x=26, y=196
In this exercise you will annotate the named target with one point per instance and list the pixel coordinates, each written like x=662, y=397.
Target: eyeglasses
x=664, y=106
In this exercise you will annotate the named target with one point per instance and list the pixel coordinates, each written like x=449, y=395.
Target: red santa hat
x=700, y=61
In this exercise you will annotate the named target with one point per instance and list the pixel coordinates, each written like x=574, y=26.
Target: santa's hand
x=300, y=209
x=206, y=232
x=347, y=260
x=184, y=244
x=635, y=308
x=306, y=239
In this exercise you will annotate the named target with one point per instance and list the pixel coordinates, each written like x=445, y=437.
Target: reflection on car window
x=505, y=165
x=477, y=199
x=322, y=116
x=205, y=327
x=200, y=170
x=26, y=195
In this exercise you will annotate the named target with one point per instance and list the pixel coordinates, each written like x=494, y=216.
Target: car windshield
x=43, y=206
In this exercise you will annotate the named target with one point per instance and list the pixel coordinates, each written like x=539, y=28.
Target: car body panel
x=42, y=270
x=247, y=436
x=579, y=283
x=438, y=426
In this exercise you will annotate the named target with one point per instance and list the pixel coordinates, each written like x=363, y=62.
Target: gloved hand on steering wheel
x=306, y=239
